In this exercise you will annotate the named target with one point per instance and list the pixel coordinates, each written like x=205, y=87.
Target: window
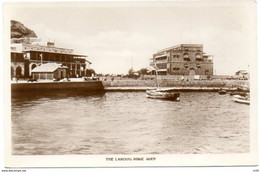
x=198, y=57
x=176, y=68
x=186, y=57
x=186, y=65
x=198, y=66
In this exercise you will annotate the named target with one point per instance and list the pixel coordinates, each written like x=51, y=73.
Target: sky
x=117, y=37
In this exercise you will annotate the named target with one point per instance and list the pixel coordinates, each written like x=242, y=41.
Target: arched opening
x=33, y=66
x=186, y=57
x=18, y=71
x=192, y=72
x=198, y=57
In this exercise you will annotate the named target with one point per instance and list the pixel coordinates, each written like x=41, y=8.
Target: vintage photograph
x=131, y=82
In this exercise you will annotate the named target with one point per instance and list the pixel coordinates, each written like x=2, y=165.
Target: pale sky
x=112, y=35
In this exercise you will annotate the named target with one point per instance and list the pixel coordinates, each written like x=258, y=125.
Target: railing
x=161, y=61
x=162, y=55
x=47, y=49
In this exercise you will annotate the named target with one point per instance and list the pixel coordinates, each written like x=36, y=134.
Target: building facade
x=49, y=71
x=26, y=55
x=183, y=59
x=242, y=74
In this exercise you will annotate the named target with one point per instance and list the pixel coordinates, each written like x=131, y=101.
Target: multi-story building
x=26, y=55
x=183, y=59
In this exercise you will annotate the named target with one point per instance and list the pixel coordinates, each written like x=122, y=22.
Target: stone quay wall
x=58, y=86
x=174, y=83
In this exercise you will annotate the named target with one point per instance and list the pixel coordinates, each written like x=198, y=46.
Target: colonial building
x=183, y=59
x=49, y=71
x=26, y=54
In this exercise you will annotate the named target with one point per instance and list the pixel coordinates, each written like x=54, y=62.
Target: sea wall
x=126, y=85
x=58, y=86
x=172, y=83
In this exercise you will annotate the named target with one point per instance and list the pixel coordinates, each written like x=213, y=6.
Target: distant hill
x=18, y=30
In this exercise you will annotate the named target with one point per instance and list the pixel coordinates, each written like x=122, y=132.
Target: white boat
x=162, y=94
x=241, y=99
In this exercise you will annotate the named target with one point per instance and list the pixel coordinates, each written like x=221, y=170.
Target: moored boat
x=160, y=93
x=241, y=93
x=243, y=88
x=163, y=94
x=222, y=91
x=241, y=99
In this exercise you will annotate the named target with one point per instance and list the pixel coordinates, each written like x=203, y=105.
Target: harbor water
x=127, y=123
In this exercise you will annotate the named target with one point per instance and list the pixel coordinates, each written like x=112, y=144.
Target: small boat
x=243, y=88
x=163, y=94
x=160, y=93
x=241, y=99
x=222, y=91
x=241, y=93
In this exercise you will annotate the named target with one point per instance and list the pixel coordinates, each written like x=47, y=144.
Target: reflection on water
x=127, y=123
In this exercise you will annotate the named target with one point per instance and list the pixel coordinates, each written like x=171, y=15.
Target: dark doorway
x=61, y=74
x=18, y=71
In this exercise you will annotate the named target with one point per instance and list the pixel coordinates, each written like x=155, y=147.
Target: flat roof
x=180, y=45
x=56, y=53
x=17, y=52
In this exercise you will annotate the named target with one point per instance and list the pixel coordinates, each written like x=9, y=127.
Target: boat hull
x=222, y=92
x=154, y=94
x=241, y=99
x=241, y=93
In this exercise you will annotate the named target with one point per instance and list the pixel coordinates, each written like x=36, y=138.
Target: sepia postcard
x=130, y=84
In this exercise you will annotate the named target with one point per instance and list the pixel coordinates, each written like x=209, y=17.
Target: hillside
x=18, y=30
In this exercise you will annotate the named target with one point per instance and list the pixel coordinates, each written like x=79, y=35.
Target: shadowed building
x=183, y=59
x=26, y=55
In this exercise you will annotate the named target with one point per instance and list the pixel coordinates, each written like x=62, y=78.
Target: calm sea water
x=128, y=123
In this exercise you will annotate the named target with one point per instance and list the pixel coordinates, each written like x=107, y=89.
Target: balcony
x=162, y=70
x=161, y=61
x=162, y=55
x=47, y=49
x=207, y=57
